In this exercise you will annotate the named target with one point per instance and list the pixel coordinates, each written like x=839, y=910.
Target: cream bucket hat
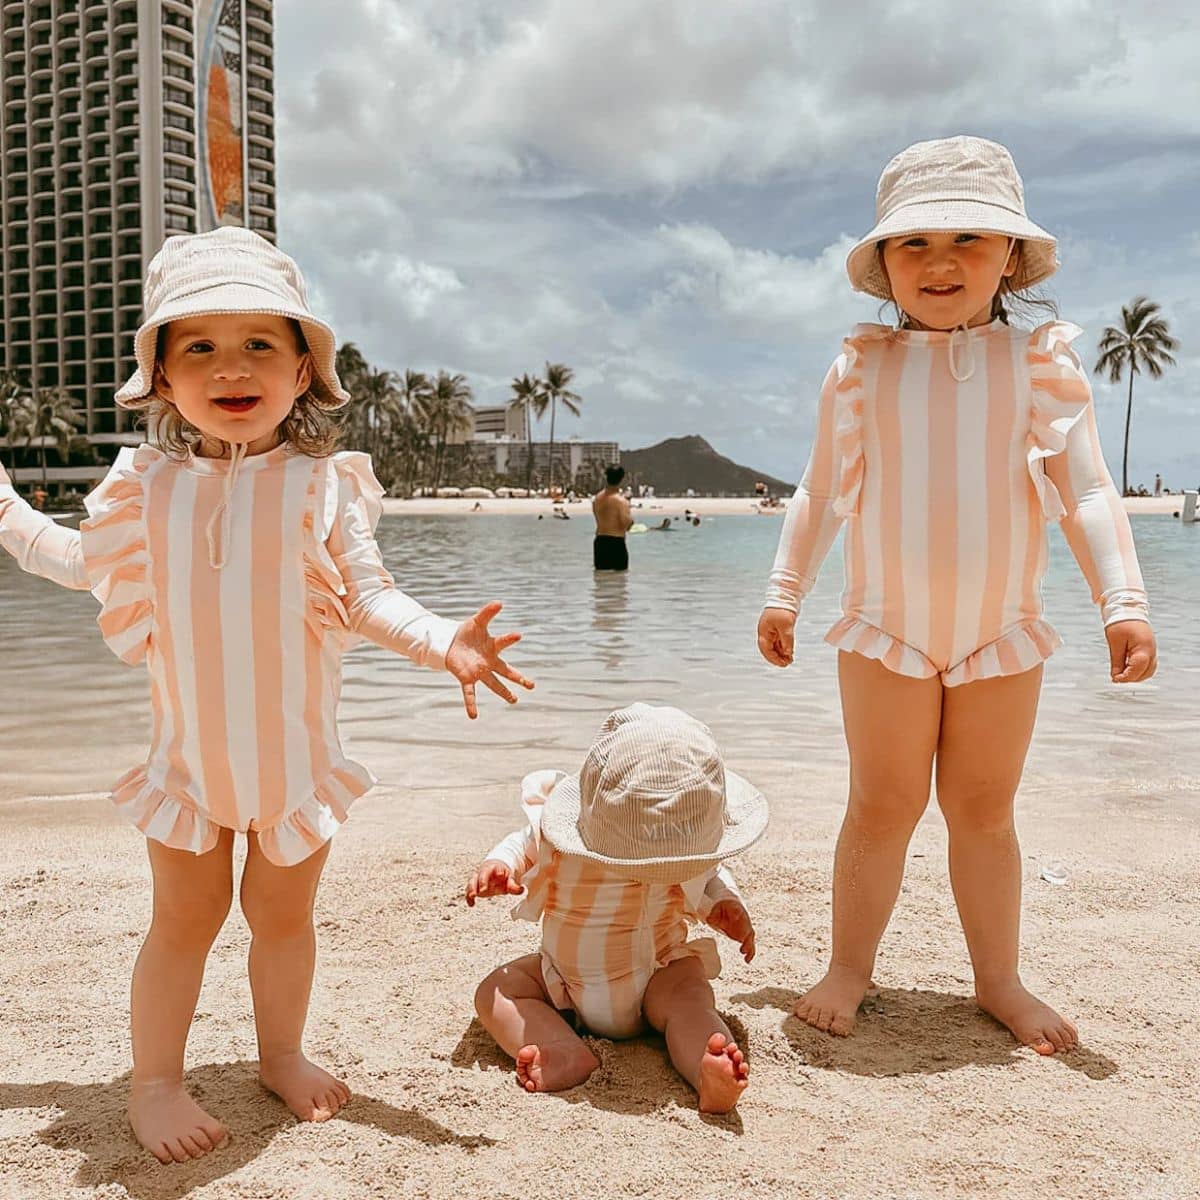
x=965, y=184
x=653, y=800
x=228, y=270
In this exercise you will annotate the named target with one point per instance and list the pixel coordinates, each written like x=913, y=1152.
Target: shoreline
x=662, y=506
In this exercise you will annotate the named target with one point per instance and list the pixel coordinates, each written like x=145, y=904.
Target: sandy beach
x=928, y=1099
x=661, y=506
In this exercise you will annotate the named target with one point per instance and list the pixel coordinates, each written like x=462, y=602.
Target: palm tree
x=15, y=408
x=558, y=375
x=1143, y=340
x=444, y=411
x=527, y=395
x=383, y=402
x=412, y=441
x=54, y=416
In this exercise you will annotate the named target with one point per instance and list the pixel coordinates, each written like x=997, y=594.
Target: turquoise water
x=679, y=628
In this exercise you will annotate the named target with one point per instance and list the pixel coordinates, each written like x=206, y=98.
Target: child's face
x=943, y=280
x=234, y=376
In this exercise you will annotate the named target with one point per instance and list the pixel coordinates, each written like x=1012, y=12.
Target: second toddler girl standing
x=237, y=559
x=946, y=444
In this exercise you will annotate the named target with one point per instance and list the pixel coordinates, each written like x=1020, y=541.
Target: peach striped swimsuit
x=948, y=484
x=604, y=935
x=243, y=644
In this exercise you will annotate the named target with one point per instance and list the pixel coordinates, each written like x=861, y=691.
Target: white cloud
x=662, y=194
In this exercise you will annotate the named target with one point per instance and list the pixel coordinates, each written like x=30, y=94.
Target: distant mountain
x=680, y=463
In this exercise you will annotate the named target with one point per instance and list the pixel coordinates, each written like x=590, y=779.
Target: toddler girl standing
x=237, y=559
x=945, y=444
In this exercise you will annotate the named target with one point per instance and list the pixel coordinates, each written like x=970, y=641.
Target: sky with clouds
x=662, y=194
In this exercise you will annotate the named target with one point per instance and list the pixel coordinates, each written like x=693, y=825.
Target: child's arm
x=1093, y=515
x=381, y=612
x=500, y=872
x=40, y=545
x=376, y=608
x=809, y=528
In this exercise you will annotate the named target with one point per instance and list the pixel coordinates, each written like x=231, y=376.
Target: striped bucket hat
x=228, y=270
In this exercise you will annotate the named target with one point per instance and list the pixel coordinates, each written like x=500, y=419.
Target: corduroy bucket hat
x=653, y=800
x=228, y=270
x=965, y=184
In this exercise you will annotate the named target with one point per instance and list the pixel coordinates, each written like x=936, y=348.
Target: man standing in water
x=613, y=519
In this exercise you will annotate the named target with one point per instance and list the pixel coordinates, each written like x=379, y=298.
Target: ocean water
x=678, y=628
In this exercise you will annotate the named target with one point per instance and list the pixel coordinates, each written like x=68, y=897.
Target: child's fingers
x=1138, y=666
x=468, y=691
x=514, y=888
x=472, y=890
x=490, y=682
x=748, y=946
x=487, y=612
x=509, y=673
x=505, y=640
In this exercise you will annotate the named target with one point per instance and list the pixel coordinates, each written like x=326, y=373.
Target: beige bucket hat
x=965, y=184
x=228, y=270
x=653, y=800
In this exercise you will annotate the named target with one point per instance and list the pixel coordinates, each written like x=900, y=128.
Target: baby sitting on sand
x=616, y=861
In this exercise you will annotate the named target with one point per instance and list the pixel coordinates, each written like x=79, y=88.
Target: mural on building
x=221, y=120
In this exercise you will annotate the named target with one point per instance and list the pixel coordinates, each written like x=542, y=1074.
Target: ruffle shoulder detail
x=535, y=790
x=848, y=415
x=343, y=491
x=115, y=553
x=1059, y=396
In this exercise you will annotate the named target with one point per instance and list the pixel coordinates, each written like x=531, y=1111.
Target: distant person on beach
x=615, y=862
x=942, y=637
x=613, y=521
x=663, y=527
x=1158, y=485
x=236, y=558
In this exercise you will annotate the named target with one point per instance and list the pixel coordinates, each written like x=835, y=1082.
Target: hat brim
x=231, y=299
x=746, y=821
x=1039, y=257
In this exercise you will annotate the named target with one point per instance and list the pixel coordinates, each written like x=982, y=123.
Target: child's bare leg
x=679, y=1003
x=986, y=727
x=192, y=894
x=515, y=1008
x=278, y=903
x=891, y=724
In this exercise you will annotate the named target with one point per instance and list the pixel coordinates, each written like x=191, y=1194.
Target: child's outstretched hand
x=474, y=657
x=491, y=878
x=732, y=919
x=1132, y=651
x=776, y=636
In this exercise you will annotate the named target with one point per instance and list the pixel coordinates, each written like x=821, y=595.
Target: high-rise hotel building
x=122, y=121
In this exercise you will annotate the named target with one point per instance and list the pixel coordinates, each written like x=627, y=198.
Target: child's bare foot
x=1032, y=1022
x=555, y=1066
x=832, y=1004
x=170, y=1124
x=724, y=1075
x=311, y=1093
